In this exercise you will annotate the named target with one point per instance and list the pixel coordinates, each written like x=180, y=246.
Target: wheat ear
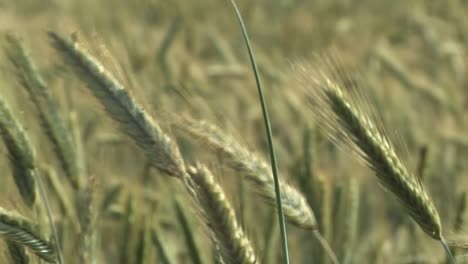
x=49, y=113
x=341, y=113
x=18, y=229
x=296, y=209
x=219, y=215
x=22, y=162
x=347, y=117
x=20, y=153
x=121, y=106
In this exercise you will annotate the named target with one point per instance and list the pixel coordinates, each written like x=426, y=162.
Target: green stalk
x=266, y=119
x=49, y=217
x=188, y=233
x=323, y=242
x=162, y=253
x=447, y=250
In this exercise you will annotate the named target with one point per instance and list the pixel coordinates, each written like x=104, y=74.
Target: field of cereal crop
x=132, y=131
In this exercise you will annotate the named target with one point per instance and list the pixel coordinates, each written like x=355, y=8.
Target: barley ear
x=347, y=123
x=121, y=106
x=234, y=246
x=18, y=229
x=20, y=154
x=52, y=121
x=255, y=170
x=346, y=116
x=24, y=169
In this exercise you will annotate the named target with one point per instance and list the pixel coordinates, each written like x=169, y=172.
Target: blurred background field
x=188, y=58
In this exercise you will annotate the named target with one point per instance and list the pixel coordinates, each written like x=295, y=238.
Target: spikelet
x=20, y=153
x=257, y=171
x=18, y=229
x=233, y=244
x=121, y=106
x=52, y=121
x=348, y=119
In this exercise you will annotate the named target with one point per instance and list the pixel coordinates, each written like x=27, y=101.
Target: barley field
x=133, y=131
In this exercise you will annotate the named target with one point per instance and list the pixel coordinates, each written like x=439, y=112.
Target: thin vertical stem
x=268, y=134
x=49, y=216
x=447, y=250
